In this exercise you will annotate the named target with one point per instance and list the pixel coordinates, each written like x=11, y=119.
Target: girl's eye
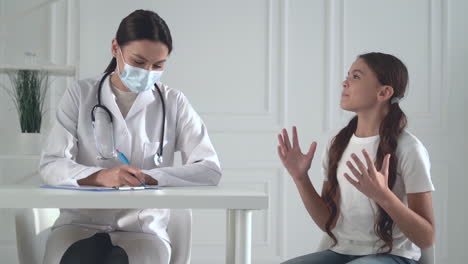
x=139, y=62
x=356, y=77
x=157, y=66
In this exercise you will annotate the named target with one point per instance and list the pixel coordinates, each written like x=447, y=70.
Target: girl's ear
x=385, y=93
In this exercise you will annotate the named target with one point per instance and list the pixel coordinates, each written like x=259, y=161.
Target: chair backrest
x=33, y=229
x=427, y=255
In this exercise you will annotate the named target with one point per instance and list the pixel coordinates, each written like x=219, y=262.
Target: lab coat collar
x=143, y=99
x=108, y=100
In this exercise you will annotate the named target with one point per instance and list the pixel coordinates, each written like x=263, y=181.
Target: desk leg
x=230, y=235
x=243, y=231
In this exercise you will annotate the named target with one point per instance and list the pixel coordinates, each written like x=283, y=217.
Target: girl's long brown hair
x=389, y=71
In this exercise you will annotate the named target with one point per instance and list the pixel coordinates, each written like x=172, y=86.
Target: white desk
x=239, y=204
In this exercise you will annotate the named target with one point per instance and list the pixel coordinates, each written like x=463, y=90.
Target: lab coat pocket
x=149, y=155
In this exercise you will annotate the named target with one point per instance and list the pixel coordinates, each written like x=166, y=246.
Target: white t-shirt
x=355, y=226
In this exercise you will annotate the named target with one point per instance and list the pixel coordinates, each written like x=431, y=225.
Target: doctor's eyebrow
x=143, y=58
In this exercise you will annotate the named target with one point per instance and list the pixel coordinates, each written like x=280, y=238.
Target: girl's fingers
x=360, y=165
x=295, y=138
x=352, y=181
x=280, y=153
x=282, y=145
x=280, y=140
x=312, y=149
x=287, y=143
x=354, y=170
x=385, y=165
x=370, y=163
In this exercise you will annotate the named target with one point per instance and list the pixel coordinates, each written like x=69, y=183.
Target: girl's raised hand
x=370, y=181
x=297, y=163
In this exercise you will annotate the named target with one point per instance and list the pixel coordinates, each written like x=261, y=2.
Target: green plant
x=28, y=91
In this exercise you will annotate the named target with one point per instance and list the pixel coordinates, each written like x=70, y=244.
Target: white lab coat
x=70, y=155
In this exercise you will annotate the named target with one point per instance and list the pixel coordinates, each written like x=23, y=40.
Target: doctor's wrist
x=92, y=179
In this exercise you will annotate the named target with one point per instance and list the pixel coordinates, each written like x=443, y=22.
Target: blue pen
x=126, y=162
x=122, y=157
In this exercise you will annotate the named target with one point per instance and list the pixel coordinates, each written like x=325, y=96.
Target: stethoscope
x=111, y=153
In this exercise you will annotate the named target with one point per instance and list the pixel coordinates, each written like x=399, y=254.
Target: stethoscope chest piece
x=158, y=160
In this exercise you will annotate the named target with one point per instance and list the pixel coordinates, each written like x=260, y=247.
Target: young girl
x=376, y=197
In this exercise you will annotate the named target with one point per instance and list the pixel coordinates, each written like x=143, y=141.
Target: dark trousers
x=97, y=249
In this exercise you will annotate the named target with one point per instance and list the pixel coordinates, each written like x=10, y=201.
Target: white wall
x=456, y=84
x=253, y=67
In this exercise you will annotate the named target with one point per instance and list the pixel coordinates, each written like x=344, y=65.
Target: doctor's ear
x=114, y=48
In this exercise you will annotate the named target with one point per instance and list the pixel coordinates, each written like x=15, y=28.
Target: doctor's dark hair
x=389, y=70
x=140, y=25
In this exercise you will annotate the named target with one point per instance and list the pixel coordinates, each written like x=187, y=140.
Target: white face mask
x=137, y=79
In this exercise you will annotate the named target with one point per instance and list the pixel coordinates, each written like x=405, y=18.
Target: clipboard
x=100, y=189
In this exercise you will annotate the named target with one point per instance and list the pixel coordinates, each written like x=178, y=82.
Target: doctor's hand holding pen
x=124, y=175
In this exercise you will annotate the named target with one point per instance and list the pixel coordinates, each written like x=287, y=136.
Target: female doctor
x=129, y=109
